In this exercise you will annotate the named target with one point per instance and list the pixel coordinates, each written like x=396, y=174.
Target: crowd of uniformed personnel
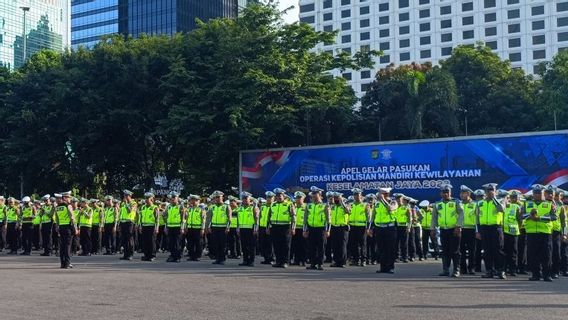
x=510, y=231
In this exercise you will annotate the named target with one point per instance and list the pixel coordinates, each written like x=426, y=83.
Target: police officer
x=2, y=222
x=467, y=245
x=149, y=224
x=65, y=226
x=359, y=224
x=339, y=230
x=110, y=220
x=372, y=253
x=196, y=216
x=384, y=220
x=415, y=235
x=85, y=224
x=46, y=213
x=479, y=195
x=331, y=202
x=317, y=222
x=161, y=238
x=403, y=218
x=265, y=240
x=233, y=241
x=299, y=245
x=281, y=226
x=448, y=215
x=128, y=211
x=558, y=226
x=175, y=227
x=247, y=228
x=36, y=222
x=538, y=215
x=490, y=231
x=12, y=223
x=512, y=220
x=97, y=228
x=218, y=224
x=425, y=217
x=26, y=226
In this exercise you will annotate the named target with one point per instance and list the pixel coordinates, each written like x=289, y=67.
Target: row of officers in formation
x=508, y=230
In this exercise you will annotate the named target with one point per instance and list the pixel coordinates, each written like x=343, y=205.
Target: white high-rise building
x=526, y=32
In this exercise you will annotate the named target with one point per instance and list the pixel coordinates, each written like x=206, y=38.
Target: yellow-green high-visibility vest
x=63, y=215
x=280, y=213
x=382, y=214
x=510, y=221
x=488, y=213
x=358, y=216
x=46, y=216
x=426, y=218
x=339, y=216
x=86, y=221
x=97, y=217
x=147, y=216
x=127, y=215
x=37, y=219
x=264, y=216
x=447, y=214
x=246, y=217
x=542, y=210
x=11, y=215
x=316, y=215
x=173, y=218
x=27, y=214
x=110, y=215
x=469, y=214
x=556, y=224
x=401, y=215
x=219, y=216
x=195, y=218
x=300, y=212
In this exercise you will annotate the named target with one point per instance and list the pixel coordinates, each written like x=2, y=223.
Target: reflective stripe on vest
x=401, y=215
x=27, y=215
x=97, y=216
x=510, y=222
x=300, y=212
x=126, y=215
x=85, y=221
x=12, y=215
x=469, y=213
x=245, y=217
x=447, y=214
x=280, y=213
x=542, y=210
x=46, y=216
x=147, y=215
x=63, y=217
x=382, y=215
x=219, y=216
x=339, y=216
x=195, y=219
x=109, y=215
x=358, y=216
x=316, y=215
x=488, y=213
x=173, y=218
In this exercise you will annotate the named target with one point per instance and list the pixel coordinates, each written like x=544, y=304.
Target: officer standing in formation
x=385, y=230
x=247, y=228
x=281, y=227
x=149, y=214
x=317, y=223
x=468, y=240
x=218, y=222
x=66, y=227
x=359, y=224
x=196, y=216
x=299, y=248
x=128, y=211
x=175, y=227
x=340, y=212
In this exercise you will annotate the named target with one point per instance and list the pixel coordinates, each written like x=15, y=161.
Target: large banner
x=414, y=168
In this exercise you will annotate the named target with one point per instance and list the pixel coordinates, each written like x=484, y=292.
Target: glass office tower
x=46, y=27
x=92, y=19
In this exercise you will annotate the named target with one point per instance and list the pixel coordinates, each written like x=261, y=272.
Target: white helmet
x=26, y=199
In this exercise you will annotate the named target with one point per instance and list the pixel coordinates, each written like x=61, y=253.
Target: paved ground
x=102, y=287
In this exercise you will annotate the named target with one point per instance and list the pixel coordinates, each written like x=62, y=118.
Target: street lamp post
x=25, y=10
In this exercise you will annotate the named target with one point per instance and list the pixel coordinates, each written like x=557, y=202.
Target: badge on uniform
x=451, y=205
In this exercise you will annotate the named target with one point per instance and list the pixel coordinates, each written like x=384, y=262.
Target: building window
x=383, y=7
x=446, y=37
x=468, y=34
x=561, y=22
x=514, y=43
x=444, y=24
x=404, y=30
x=404, y=43
x=512, y=1
x=365, y=36
x=490, y=31
x=308, y=19
x=403, y=16
x=446, y=51
x=384, y=59
x=364, y=23
x=327, y=4
x=514, y=28
x=445, y=10
x=384, y=20
x=384, y=33
x=563, y=36
x=346, y=38
x=346, y=13
x=347, y=76
x=346, y=26
x=491, y=44
x=467, y=6
x=535, y=11
x=425, y=40
x=365, y=74
x=384, y=46
x=425, y=26
x=539, y=54
x=466, y=21
x=364, y=10
x=421, y=2
x=307, y=8
x=425, y=13
x=327, y=16
x=562, y=6
x=346, y=50
x=404, y=56
x=538, y=25
x=328, y=28
x=540, y=39
x=514, y=57
x=345, y=2
x=425, y=54
x=403, y=3
x=513, y=14
x=365, y=87
x=489, y=3
x=490, y=17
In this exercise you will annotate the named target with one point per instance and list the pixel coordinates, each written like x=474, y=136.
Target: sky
x=292, y=15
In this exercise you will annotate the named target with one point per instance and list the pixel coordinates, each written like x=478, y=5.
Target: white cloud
x=293, y=14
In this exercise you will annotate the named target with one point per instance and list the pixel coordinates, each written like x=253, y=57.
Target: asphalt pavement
x=103, y=287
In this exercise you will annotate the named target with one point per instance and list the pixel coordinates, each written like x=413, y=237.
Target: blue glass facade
x=92, y=19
